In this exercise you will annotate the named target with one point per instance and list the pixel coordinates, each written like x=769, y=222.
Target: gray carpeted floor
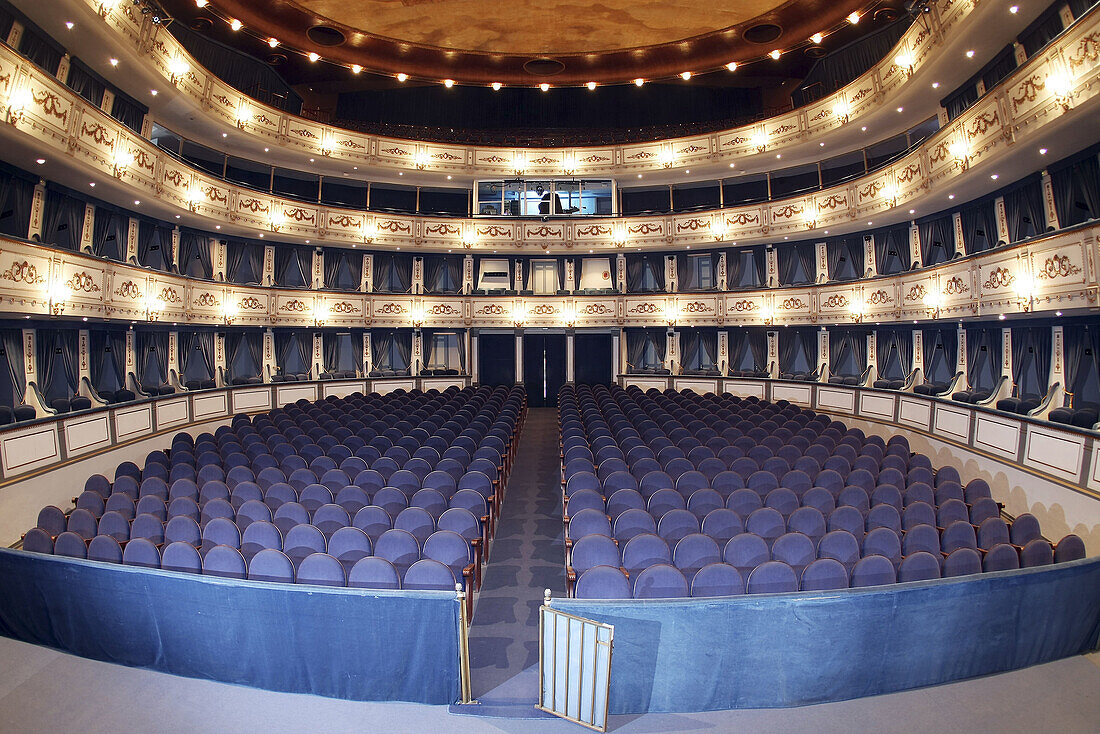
x=527, y=557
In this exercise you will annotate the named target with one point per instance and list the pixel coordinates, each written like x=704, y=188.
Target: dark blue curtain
x=294, y=351
x=196, y=260
x=155, y=246
x=1024, y=209
x=57, y=354
x=1082, y=360
x=1042, y=30
x=128, y=111
x=1031, y=360
x=798, y=350
x=983, y=357
x=293, y=266
x=937, y=239
x=343, y=269
x=797, y=263
x=109, y=233
x=892, y=250
x=107, y=357
x=85, y=82
x=11, y=341
x=941, y=348
x=244, y=262
x=1076, y=184
x=847, y=352
x=243, y=350
x=839, y=67
x=152, y=358
x=63, y=219
x=16, y=195
x=42, y=50
x=894, y=348
x=979, y=225
x=197, y=355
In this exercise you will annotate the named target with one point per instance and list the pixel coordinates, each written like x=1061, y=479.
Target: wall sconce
x=369, y=230
x=244, y=115
x=904, y=61
x=811, y=222
x=858, y=307
x=320, y=314
x=153, y=308
x=18, y=103
x=277, y=220
x=194, y=198
x=719, y=228
x=890, y=195
x=1061, y=88
x=229, y=312
x=933, y=300
x=1025, y=290
x=569, y=316
x=766, y=315
x=421, y=160
x=417, y=315
x=105, y=7
x=177, y=68
x=619, y=234
x=569, y=164
x=960, y=153
x=123, y=160
x=327, y=145
x=671, y=313
x=519, y=314
x=519, y=163
x=57, y=295
x=667, y=157
x=760, y=142
x=469, y=236
x=840, y=111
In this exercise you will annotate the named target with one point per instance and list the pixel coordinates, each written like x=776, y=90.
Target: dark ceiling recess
x=763, y=33
x=276, y=59
x=324, y=35
x=544, y=67
x=202, y=25
x=815, y=52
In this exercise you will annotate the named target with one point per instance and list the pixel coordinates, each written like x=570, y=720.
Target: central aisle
x=527, y=557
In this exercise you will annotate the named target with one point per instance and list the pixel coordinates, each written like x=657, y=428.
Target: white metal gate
x=574, y=667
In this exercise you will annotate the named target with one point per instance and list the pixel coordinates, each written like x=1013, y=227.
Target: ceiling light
x=448, y=178
x=853, y=18
x=970, y=54
x=1042, y=151
x=496, y=86
x=267, y=150
x=1057, y=313
x=225, y=135
x=235, y=24
x=821, y=145
x=639, y=82
x=732, y=66
x=864, y=128
x=448, y=83
x=544, y=87
x=733, y=165
x=402, y=77
x=313, y=56
x=816, y=38
x=935, y=85
x=901, y=109
x=356, y=68
x=776, y=54
x=639, y=176
x=153, y=92
x=69, y=25
x=114, y=62
x=1015, y=9
x=92, y=184
x=40, y=161
x=685, y=75
x=951, y=196
x=273, y=42
x=995, y=176
x=201, y=3
x=137, y=202
x=912, y=211
x=591, y=86
x=217, y=226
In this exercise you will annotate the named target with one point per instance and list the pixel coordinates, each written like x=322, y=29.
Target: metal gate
x=574, y=667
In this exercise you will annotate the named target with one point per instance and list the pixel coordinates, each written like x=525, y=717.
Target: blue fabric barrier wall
x=781, y=650
x=345, y=643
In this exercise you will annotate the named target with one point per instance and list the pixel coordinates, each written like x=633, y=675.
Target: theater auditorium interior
x=469, y=366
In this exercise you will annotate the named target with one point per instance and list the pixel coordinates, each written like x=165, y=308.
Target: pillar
x=173, y=356
x=870, y=259
x=822, y=274
x=318, y=354
x=671, y=281
x=368, y=275
x=176, y=248
x=570, y=356
x=417, y=352
x=723, y=352
x=108, y=101
x=63, y=68
x=672, y=351
x=720, y=276
x=519, y=357
x=38, y=207
x=570, y=275
x=318, y=281
x=872, y=355
x=221, y=360
x=617, y=352
x=132, y=240
x=960, y=359
x=418, y=275
x=131, y=354
x=270, y=366
x=1057, y=358
x=960, y=241
x=1006, y=354
x=914, y=245
x=773, y=354
x=269, y=265
x=467, y=274
x=1049, y=209
x=773, y=267
x=1002, y=219
x=918, y=350
x=86, y=232
x=472, y=357
x=822, y=354
x=84, y=360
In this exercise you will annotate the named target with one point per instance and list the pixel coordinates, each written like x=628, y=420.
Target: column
x=269, y=265
x=368, y=359
x=418, y=275
x=131, y=355
x=960, y=240
x=368, y=273
x=38, y=206
x=672, y=351
x=467, y=273
x=132, y=240
x=270, y=367
x=108, y=101
x=1006, y=354
x=1002, y=219
x=1049, y=209
x=616, y=355
x=822, y=354
x=723, y=352
x=63, y=68
x=1057, y=358
x=720, y=276
x=417, y=352
x=914, y=244
x=15, y=35
x=870, y=259
x=318, y=354
x=472, y=357
x=773, y=267
x=519, y=357
x=86, y=232
x=620, y=273
x=220, y=358
x=570, y=356
x=83, y=362
x=960, y=359
x=173, y=356
x=318, y=282
x=773, y=354
x=176, y=248
x=671, y=280
x=872, y=356
x=918, y=350
x=30, y=362
x=570, y=275
x=822, y=274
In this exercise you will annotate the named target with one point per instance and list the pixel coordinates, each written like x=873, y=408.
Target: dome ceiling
x=564, y=42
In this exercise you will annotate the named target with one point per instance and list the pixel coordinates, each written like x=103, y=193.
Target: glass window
x=165, y=139
x=206, y=159
x=544, y=277
x=703, y=271
x=444, y=351
x=745, y=189
x=249, y=173
x=443, y=201
x=391, y=198
x=886, y=151
x=344, y=192
x=568, y=195
x=842, y=168
x=693, y=196
x=924, y=130
x=646, y=200
x=795, y=180
x=513, y=198
x=297, y=184
x=596, y=198
x=490, y=197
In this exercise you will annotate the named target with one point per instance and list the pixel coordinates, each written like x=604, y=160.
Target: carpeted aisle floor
x=527, y=557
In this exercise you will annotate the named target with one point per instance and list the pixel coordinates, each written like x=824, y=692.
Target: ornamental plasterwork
x=22, y=272
x=1058, y=266
x=999, y=278
x=82, y=282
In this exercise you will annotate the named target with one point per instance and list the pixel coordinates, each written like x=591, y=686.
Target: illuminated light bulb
x=356, y=68
x=591, y=86
x=685, y=75
x=957, y=150
x=1014, y=9
x=970, y=54
x=314, y=56
x=496, y=86
x=816, y=38
x=853, y=18
x=69, y=25
x=178, y=67
x=201, y=3
x=235, y=25
x=776, y=54
x=114, y=62
x=639, y=82
x=732, y=66
x=903, y=60
x=402, y=77
x=544, y=87
x=273, y=42
x=448, y=83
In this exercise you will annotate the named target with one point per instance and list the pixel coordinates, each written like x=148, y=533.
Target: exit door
x=543, y=368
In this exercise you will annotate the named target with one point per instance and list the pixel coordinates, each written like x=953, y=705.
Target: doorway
x=592, y=359
x=496, y=359
x=543, y=368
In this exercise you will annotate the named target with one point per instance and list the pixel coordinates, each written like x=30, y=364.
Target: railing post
x=463, y=645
